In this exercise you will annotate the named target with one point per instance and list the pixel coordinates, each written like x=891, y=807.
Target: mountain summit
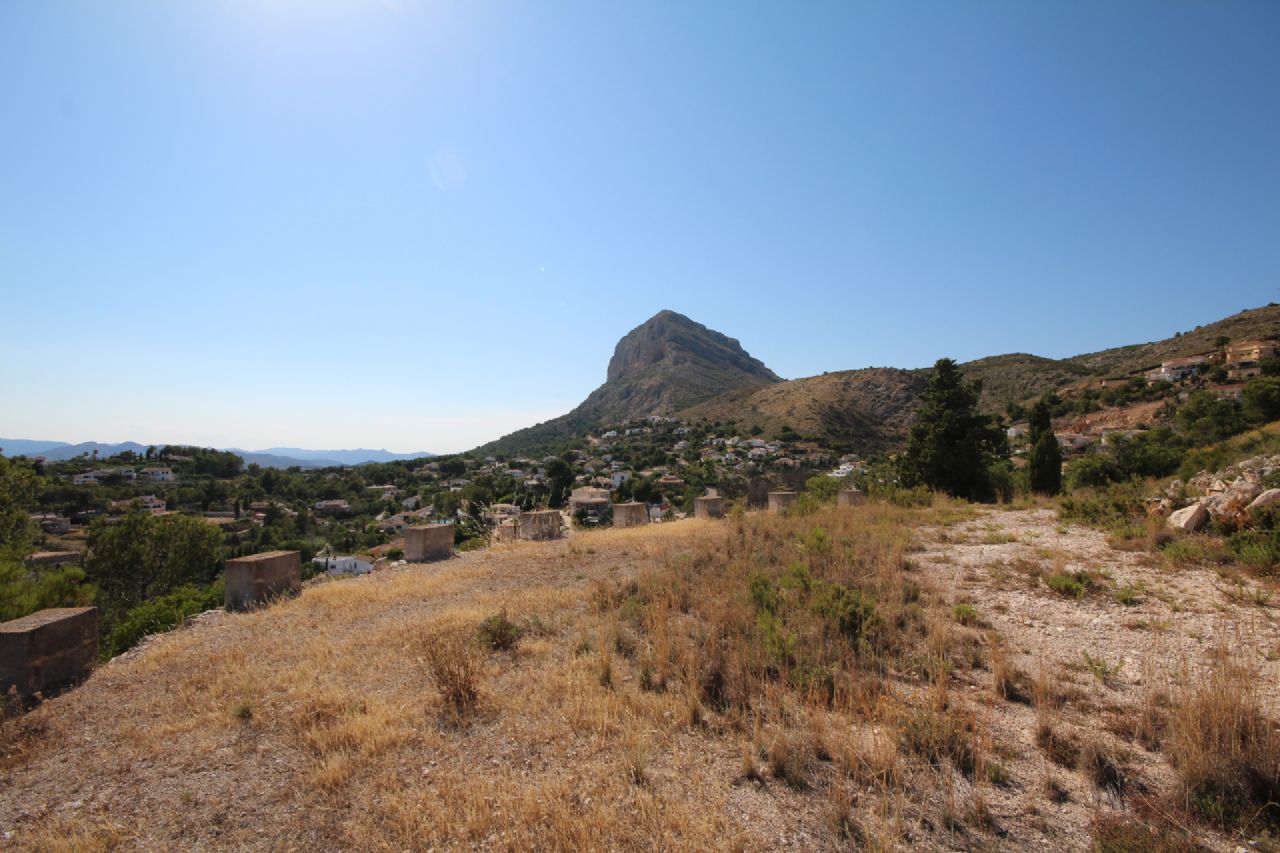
x=668, y=363
x=664, y=365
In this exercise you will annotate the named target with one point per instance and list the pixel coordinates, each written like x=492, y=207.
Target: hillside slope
x=870, y=410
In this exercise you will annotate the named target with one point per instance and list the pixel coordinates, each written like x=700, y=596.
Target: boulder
x=1267, y=498
x=1189, y=519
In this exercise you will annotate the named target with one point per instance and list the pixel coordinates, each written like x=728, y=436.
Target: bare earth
x=313, y=725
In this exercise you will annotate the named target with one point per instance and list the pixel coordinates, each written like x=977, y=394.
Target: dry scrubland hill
x=872, y=409
x=880, y=677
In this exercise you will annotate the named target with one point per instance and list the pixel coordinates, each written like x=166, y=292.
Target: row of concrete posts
x=54, y=648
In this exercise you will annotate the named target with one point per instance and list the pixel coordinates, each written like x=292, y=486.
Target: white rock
x=1267, y=498
x=1189, y=519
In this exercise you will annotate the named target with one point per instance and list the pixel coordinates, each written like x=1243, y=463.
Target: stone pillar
x=47, y=649
x=630, y=514
x=710, y=506
x=260, y=578
x=426, y=542
x=540, y=525
x=851, y=497
x=779, y=501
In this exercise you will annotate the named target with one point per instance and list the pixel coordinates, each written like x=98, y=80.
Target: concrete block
x=48, y=649
x=426, y=542
x=630, y=514
x=851, y=497
x=779, y=501
x=710, y=506
x=260, y=578
x=540, y=525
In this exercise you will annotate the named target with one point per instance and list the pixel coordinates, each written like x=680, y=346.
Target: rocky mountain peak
x=669, y=339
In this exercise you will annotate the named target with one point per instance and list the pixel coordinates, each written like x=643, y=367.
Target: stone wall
x=711, y=506
x=48, y=649
x=426, y=542
x=630, y=514
x=260, y=578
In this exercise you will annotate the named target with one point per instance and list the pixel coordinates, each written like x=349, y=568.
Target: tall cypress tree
x=1045, y=465
x=952, y=446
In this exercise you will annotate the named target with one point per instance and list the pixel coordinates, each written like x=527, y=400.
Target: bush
x=499, y=633
x=1115, y=506
x=849, y=611
x=1092, y=471
x=161, y=614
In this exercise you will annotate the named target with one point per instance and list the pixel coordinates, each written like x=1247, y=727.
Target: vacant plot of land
x=896, y=679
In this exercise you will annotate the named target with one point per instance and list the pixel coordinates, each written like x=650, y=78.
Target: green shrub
x=850, y=611
x=499, y=633
x=1117, y=505
x=965, y=614
x=161, y=614
x=1073, y=584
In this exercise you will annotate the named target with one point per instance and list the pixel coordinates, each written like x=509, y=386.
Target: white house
x=89, y=479
x=160, y=475
x=342, y=565
x=152, y=504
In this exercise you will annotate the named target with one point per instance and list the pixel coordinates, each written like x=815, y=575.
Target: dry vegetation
x=880, y=678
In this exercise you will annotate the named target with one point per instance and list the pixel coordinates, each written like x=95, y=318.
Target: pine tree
x=952, y=446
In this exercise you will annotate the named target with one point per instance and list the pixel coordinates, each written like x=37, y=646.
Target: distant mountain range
x=272, y=457
x=672, y=366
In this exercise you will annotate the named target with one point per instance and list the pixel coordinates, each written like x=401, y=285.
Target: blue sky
x=420, y=225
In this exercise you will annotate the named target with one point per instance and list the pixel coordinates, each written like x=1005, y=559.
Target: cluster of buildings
x=1241, y=360
x=92, y=478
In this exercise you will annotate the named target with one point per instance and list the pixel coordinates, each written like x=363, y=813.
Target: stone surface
x=540, y=525
x=426, y=542
x=48, y=649
x=631, y=514
x=261, y=578
x=1189, y=519
x=779, y=501
x=1268, y=498
x=710, y=506
x=851, y=497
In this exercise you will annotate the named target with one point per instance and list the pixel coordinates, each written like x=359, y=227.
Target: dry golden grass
x=761, y=682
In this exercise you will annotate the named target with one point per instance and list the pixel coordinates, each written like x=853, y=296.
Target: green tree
x=1039, y=421
x=20, y=487
x=1205, y=419
x=25, y=590
x=144, y=556
x=1262, y=399
x=1045, y=465
x=951, y=447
